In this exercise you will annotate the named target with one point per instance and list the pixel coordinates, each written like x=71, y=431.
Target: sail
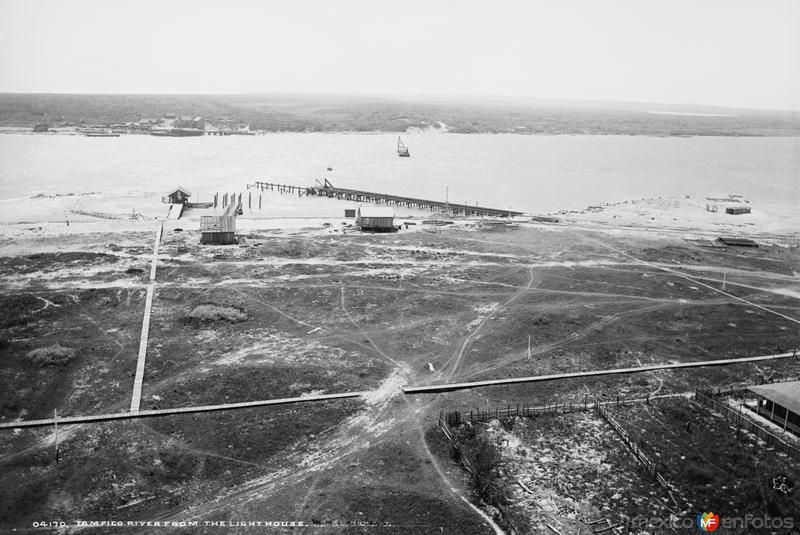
x=402, y=150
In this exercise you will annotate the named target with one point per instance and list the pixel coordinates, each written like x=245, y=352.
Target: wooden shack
x=179, y=195
x=220, y=229
x=375, y=219
x=737, y=210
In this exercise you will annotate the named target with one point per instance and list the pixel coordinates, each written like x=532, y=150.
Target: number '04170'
x=50, y=524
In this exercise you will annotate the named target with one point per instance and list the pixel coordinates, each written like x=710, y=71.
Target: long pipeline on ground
x=433, y=389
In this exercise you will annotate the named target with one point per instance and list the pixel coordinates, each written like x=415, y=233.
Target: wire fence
x=456, y=418
x=644, y=460
x=742, y=421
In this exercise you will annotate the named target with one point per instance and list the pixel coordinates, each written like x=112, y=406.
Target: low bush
x=54, y=355
x=206, y=313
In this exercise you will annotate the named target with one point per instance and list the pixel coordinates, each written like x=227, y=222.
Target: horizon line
x=407, y=96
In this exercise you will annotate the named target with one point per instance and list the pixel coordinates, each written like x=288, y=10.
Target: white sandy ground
x=689, y=214
x=24, y=219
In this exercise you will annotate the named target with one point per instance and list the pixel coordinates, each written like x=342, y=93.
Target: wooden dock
x=327, y=189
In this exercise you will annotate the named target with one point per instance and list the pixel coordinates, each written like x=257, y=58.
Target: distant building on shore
x=228, y=127
x=737, y=210
x=178, y=126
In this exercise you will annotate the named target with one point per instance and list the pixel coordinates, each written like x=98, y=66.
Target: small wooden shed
x=737, y=210
x=375, y=219
x=218, y=229
x=179, y=195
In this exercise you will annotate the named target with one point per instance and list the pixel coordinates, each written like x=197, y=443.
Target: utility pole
x=724, y=279
x=55, y=422
x=529, y=347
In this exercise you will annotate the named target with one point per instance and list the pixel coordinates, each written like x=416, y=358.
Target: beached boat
x=99, y=132
x=177, y=132
x=402, y=150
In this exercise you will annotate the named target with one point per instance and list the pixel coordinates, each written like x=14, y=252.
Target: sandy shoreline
x=90, y=212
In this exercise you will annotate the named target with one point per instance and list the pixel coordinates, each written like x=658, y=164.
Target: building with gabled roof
x=179, y=195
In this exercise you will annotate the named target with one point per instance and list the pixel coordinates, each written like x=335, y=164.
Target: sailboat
x=402, y=150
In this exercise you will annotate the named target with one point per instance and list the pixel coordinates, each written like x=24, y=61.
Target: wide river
x=526, y=173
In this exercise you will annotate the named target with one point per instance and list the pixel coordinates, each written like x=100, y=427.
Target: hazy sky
x=743, y=53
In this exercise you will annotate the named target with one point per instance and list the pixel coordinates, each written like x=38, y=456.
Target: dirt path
x=549, y=346
x=710, y=287
x=364, y=334
x=443, y=476
x=453, y=365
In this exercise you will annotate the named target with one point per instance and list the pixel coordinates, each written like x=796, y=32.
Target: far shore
x=73, y=131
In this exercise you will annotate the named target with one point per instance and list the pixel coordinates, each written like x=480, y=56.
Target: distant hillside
x=300, y=113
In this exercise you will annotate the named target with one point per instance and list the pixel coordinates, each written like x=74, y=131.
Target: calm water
x=527, y=173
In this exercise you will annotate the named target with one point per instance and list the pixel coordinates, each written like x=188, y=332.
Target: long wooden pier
x=326, y=189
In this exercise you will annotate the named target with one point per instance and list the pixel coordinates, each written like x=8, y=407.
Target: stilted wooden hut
x=179, y=195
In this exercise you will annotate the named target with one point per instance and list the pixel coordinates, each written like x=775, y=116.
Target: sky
x=738, y=53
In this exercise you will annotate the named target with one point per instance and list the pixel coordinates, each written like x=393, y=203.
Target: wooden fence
x=456, y=418
x=640, y=456
x=743, y=421
x=448, y=433
x=740, y=389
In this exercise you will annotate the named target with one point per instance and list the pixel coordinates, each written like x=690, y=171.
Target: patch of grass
x=732, y=472
x=15, y=309
x=54, y=355
x=290, y=249
x=207, y=313
x=486, y=461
